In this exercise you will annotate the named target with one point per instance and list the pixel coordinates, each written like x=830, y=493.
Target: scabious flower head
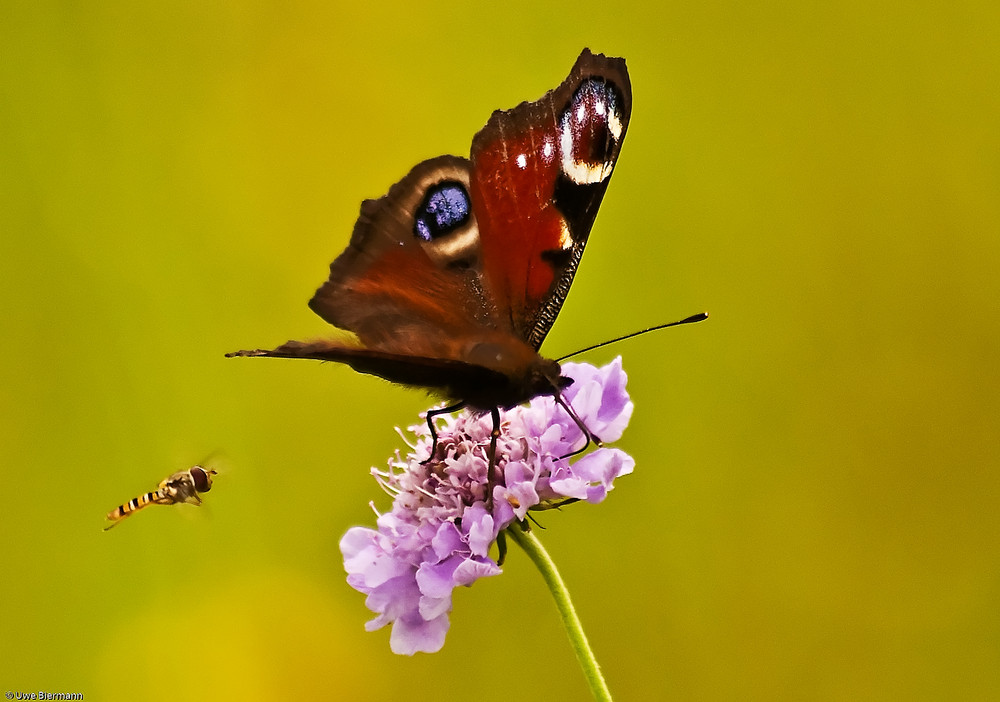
x=439, y=532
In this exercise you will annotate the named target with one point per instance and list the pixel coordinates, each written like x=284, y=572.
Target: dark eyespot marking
x=444, y=209
x=579, y=203
x=557, y=258
x=590, y=131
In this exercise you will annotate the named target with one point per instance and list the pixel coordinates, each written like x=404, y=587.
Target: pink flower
x=439, y=532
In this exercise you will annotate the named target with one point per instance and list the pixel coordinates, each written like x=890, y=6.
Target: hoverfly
x=182, y=486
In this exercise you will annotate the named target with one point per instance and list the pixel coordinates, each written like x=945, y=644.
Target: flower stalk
x=527, y=540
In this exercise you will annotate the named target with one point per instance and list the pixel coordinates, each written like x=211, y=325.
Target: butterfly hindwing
x=409, y=279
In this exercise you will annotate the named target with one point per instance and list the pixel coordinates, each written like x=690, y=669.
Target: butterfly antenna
x=700, y=317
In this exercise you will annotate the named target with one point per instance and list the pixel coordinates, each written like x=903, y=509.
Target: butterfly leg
x=490, y=471
x=431, y=414
x=588, y=435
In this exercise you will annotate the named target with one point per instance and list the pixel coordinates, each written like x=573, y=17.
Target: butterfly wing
x=456, y=247
x=539, y=172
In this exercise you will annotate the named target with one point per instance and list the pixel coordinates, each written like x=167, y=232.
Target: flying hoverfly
x=182, y=486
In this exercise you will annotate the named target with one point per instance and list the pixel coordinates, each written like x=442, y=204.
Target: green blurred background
x=814, y=513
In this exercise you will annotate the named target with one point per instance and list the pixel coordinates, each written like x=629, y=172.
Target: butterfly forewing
x=539, y=172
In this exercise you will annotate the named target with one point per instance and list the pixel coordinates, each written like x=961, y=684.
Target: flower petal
x=414, y=634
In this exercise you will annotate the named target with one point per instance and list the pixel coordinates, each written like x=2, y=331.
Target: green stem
x=591, y=670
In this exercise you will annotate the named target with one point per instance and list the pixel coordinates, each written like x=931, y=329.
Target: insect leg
x=490, y=471
x=588, y=435
x=431, y=414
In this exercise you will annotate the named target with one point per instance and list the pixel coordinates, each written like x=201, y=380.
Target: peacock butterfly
x=452, y=280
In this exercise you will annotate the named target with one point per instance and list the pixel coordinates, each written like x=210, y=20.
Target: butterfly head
x=519, y=374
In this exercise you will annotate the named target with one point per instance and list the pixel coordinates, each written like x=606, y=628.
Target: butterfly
x=452, y=280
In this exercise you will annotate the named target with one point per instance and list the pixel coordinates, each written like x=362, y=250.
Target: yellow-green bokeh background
x=814, y=514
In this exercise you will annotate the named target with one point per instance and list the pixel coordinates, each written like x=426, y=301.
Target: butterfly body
x=452, y=280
